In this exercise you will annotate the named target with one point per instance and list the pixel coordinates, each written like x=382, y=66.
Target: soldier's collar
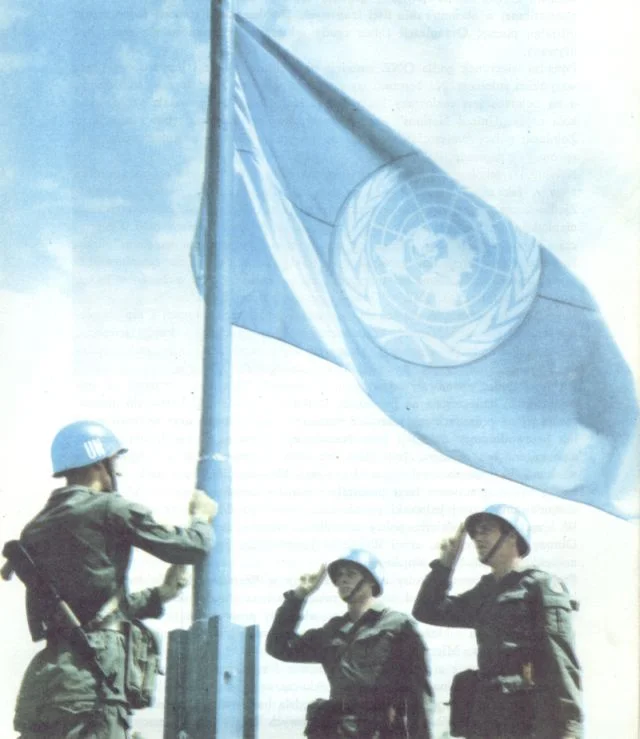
x=371, y=615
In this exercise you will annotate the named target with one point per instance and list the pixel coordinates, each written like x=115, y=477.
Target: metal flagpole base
x=212, y=681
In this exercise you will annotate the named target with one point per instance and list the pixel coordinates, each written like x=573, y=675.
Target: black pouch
x=461, y=699
x=143, y=665
x=323, y=717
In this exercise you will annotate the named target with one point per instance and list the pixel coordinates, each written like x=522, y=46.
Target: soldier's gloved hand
x=202, y=507
x=310, y=582
x=451, y=548
x=175, y=581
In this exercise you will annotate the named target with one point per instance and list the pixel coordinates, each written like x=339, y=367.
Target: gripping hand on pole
x=202, y=507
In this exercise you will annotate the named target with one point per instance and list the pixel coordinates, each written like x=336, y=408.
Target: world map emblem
x=436, y=275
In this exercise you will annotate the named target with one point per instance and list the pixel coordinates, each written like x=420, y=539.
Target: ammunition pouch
x=333, y=719
x=509, y=684
x=511, y=696
x=464, y=687
x=142, y=664
x=323, y=718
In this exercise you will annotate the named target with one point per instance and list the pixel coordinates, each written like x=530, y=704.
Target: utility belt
x=108, y=617
x=60, y=623
x=357, y=718
x=358, y=705
x=142, y=651
x=142, y=665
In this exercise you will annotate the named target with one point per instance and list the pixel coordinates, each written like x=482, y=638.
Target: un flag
x=351, y=244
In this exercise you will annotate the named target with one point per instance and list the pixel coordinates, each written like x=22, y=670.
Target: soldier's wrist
x=155, y=605
x=442, y=562
x=164, y=593
x=199, y=518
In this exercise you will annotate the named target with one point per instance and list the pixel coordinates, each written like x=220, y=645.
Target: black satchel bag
x=323, y=717
x=461, y=699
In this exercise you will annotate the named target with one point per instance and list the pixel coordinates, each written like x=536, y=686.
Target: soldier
x=374, y=658
x=528, y=679
x=81, y=543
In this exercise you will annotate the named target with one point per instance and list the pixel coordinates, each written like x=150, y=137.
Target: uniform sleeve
x=419, y=693
x=556, y=668
x=435, y=606
x=144, y=604
x=171, y=544
x=282, y=640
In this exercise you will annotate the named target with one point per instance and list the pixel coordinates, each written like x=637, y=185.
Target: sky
x=102, y=128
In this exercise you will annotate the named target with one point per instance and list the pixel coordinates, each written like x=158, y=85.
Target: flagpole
x=212, y=669
x=212, y=586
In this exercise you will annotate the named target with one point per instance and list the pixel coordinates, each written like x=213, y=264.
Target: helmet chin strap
x=494, y=548
x=109, y=466
x=355, y=590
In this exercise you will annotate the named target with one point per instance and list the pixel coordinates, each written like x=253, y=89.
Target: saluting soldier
x=528, y=683
x=374, y=658
x=81, y=543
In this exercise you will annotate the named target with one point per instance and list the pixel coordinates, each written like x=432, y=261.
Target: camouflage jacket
x=526, y=652
x=379, y=662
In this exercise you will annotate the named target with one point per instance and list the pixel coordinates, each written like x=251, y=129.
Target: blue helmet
x=511, y=515
x=364, y=559
x=81, y=444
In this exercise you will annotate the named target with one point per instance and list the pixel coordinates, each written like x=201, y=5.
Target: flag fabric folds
x=353, y=245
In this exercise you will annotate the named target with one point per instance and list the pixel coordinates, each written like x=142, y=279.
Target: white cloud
x=10, y=14
x=201, y=54
x=98, y=204
x=61, y=249
x=132, y=70
x=169, y=18
x=47, y=184
x=162, y=101
x=10, y=63
x=186, y=186
x=7, y=177
x=61, y=196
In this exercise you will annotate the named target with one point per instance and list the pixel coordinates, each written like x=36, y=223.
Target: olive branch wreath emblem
x=358, y=279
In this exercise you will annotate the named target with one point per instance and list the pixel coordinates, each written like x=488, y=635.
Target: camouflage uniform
x=377, y=669
x=82, y=541
x=529, y=684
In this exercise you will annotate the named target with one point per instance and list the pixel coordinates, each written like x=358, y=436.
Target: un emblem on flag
x=436, y=276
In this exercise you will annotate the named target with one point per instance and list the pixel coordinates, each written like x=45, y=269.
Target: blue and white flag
x=350, y=243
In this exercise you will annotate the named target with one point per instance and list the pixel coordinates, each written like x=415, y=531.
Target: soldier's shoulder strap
x=553, y=591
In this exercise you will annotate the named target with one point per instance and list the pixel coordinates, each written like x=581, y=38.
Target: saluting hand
x=310, y=582
x=451, y=548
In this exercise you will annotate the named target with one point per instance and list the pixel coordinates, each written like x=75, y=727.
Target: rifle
x=20, y=561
